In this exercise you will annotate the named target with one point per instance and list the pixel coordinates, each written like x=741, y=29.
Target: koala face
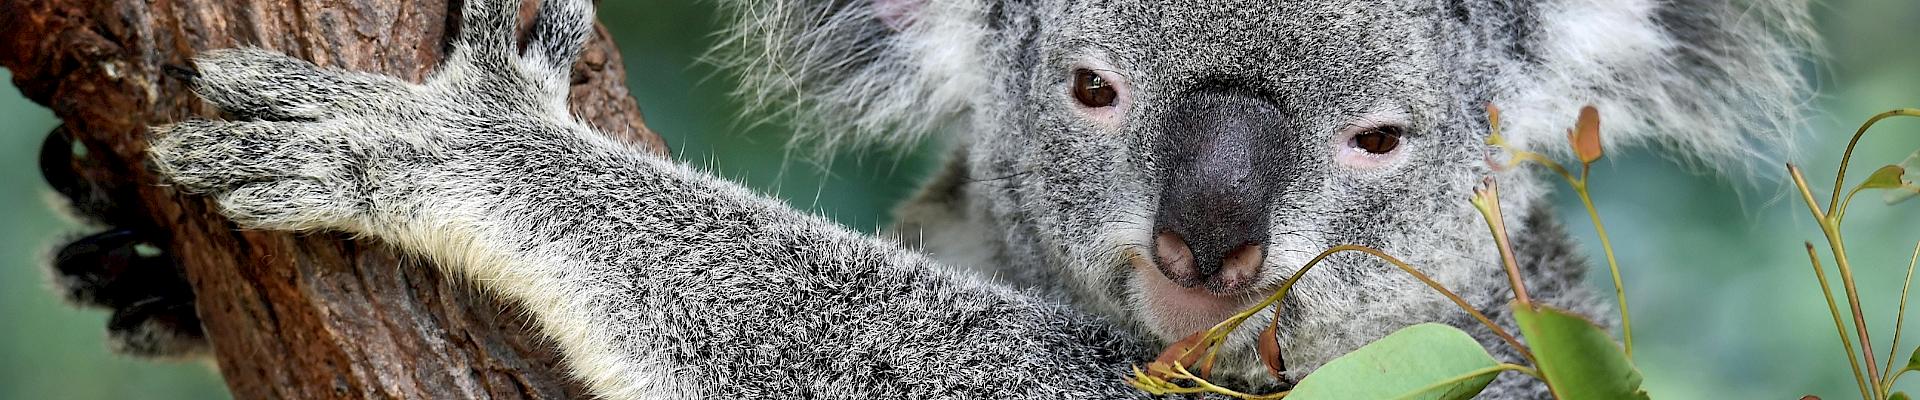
x=1177, y=171
x=1167, y=163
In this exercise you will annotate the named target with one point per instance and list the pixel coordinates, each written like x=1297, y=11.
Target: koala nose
x=1217, y=160
x=1215, y=238
x=1235, y=271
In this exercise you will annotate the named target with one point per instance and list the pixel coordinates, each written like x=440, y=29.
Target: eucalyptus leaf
x=1578, y=359
x=1412, y=363
x=1887, y=177
x=1913, y=361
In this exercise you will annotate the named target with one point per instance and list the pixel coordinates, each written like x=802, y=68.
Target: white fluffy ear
x=857, y=72
x=1719, y=79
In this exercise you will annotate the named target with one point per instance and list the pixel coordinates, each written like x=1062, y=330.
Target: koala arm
x=654, y=279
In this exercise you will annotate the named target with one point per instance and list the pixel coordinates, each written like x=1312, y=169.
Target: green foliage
x=1913, y=361
x=1887, y=177
x=1872, y=382
x=1577, y=358
x=1903, y=189
x=1425, y=361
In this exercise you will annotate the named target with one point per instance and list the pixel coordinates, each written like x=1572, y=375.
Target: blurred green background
x=1725, y=305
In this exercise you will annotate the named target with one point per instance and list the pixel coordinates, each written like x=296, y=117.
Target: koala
x=1121, y=174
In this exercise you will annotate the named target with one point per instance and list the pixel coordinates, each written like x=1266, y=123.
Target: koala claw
x=159, y=327
x=125, y=271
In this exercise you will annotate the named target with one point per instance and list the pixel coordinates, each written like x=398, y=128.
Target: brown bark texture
x=290, y=315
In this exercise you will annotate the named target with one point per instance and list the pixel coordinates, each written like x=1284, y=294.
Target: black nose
x=1217, y=158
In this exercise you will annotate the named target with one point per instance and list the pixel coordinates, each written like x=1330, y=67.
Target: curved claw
x=116, y=268
x=124, y=271
x=157, y=327
x=58, y=154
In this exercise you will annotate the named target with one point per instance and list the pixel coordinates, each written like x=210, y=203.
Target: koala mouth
x=1172, y=310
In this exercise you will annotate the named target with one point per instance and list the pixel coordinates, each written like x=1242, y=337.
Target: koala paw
x=319, y=148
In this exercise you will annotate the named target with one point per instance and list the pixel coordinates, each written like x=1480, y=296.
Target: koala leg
x=655, y=280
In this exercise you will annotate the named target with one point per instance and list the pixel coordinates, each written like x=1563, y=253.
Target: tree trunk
x=290, y=315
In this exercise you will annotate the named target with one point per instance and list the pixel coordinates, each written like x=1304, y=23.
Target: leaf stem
x=1853, y=360
x=1899, y=321
x=1488, y=202
x=1232, y=322
x=1613, y=264
x=1579, y=185
x=1840, y=178
x=1204, y=386
x=1462, y=303
x=1839, y=249
x=1832, y=233
x=1840, y=213
x=1896, y=377
x=1543, y=160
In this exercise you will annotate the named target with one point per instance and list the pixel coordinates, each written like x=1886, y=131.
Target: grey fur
x=659, y=281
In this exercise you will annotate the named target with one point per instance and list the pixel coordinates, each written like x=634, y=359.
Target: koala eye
x=1091, y=90
x=1374, y=140
x=1378, y=140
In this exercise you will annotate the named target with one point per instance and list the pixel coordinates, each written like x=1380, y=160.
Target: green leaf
x=1411, y=363
x=1898, y=396
x=1887, y=177
x=1578, y=359
x=1913, y=361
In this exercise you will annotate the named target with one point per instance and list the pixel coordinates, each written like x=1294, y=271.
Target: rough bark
x=289, y=316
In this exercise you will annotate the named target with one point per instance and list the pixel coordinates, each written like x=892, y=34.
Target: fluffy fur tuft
x=1718, y=79
x=857, y=73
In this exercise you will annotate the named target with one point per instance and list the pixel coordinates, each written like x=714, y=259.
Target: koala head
x=1171, y=162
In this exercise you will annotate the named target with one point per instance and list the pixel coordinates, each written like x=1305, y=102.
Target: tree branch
x=289, y=316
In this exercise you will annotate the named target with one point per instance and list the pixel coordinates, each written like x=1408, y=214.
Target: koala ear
x=1718, y=79
x=857, y=72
